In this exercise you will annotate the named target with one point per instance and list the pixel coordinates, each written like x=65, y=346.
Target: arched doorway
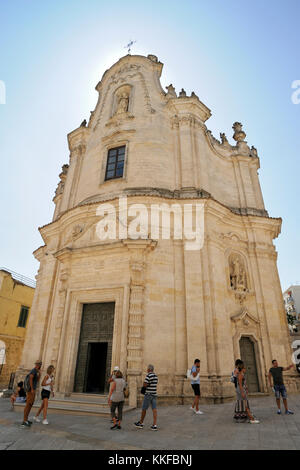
x=248, y=356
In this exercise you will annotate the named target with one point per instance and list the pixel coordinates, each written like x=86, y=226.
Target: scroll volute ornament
x=238, y=274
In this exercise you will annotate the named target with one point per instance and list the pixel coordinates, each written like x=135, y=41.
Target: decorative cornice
x=242, y=314
x=119, y=133
x=78, y=137
x=189, y=105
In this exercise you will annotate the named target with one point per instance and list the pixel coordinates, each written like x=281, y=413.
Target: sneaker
x=191, y=408
x=153, y=427
x=279, y=412
x=138, y=424
x=25, y=424
x=45, y=421
x=36, y=419
x=289, y=412
x=115, y=426
x=30, y=422
x=119, y=427
x=254, y=421
x=199, y=412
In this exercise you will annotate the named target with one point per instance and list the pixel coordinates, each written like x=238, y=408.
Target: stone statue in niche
x=123, y=101
x=238, y=277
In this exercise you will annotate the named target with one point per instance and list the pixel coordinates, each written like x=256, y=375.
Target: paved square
x=179, y=428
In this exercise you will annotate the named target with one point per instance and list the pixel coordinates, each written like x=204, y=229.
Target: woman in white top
x=47, y=388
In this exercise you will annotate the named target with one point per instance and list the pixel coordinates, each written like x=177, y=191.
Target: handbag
x=143, y=390
x=190, y=376
x=126, y=392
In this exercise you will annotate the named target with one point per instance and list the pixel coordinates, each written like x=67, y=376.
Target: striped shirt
x=151, y=381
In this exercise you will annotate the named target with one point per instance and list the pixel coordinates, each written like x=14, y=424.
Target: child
x=19, y=396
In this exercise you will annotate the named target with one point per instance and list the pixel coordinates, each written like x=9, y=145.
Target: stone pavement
x=179, y=428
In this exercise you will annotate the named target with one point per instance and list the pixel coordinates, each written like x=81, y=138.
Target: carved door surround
x=245, y=324
x=68, y=352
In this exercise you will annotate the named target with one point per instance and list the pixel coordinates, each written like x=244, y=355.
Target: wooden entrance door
x=95, y=348
x=248, y=357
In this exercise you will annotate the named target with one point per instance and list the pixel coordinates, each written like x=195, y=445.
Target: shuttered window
x=23, y=317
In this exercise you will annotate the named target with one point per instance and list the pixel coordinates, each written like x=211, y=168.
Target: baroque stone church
x=130, y=302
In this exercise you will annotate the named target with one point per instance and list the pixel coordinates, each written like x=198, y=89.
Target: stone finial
x=223, y=138
x=182, y=94
x=152, y=57
x=65, y=168
x=253, y=152
x=239, y=135
x=83, y=124
x=193, y=95
x=171, y=91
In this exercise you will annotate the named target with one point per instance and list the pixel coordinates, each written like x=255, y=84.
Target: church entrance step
x=76, y=407
x=87, y=397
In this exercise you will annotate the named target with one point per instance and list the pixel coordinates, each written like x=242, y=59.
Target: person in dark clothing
x=19, y=396
x=34, y=377
x=278, y=385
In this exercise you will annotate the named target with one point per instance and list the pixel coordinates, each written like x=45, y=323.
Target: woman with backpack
x=47, y=388
x=242, y=409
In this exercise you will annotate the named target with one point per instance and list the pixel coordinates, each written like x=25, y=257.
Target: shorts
x=45, y=394
x=280, y=390
x=147, y=400
x=196, y=388
x=21, y=400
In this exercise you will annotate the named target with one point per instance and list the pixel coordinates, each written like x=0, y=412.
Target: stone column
x=64, y=259
x=138, y=250
x=77, y=157
x=188, y=173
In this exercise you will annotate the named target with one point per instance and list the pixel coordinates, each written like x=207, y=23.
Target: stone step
x=79, y=403
x=258, y=394
x=79, y=408
x=87, y=397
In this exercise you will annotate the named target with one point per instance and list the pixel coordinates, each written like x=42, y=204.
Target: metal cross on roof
x=129, y=46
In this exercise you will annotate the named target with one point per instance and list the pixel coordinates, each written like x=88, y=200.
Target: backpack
x=26, y=384
x=233, y=379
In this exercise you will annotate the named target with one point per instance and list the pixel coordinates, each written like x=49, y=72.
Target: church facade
x=131, y=300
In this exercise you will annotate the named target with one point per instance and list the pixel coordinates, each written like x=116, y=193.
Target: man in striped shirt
x=150, y=384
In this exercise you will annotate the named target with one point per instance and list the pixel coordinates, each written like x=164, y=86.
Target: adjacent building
x=16, y=295
x=291, y=297
x=126, y=292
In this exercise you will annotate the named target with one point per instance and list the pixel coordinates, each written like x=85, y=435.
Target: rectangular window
x=23, y=317
x=115, y=163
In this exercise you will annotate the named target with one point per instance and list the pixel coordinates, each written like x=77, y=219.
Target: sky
x=240, y=58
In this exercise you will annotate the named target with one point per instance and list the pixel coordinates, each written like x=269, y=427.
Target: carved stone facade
x=170, y=304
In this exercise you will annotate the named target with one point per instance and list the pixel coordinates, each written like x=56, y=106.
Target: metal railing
x=19, y=277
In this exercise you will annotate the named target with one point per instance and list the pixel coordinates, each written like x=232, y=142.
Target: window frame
x=114, y=177
x=22, y=322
